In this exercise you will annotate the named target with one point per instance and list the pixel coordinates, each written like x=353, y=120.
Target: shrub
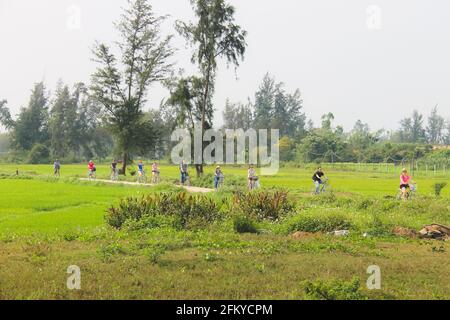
x=365, y=204
x=189, y=211
x=324, y=198
x=378, y=228
x=106, y=252
x=334, y=290
x=438, y=186
x=39, y=154
x=318, y=223
x=155, y=252
x=152, y=222
x=263, y=205
x=243, y=224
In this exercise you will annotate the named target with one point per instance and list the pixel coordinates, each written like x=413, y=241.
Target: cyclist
x=183, y=171
x=155, y=172
x=251, y=177
x=141, y=171
x=218, y=177
x=405, y=181
x=114, y=169
x=91, y=168
x=57, y=167
x=318, y=179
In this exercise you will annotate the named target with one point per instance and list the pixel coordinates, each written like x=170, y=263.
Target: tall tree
x=447, y=134
x=417, y=130
x=435, y=127
x=144, y=59
x=361, y=139
x=58, y=122
x=214, y=35
x=264, y=102
x=31, y=126
x=327, y=120
x=276, y=109
x=5, y=115
x=237, y=116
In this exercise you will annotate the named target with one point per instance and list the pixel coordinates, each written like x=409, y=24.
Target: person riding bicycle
x=155, y=171
x=91, y=167
x=218, y=176
x=183, y=171
x=318, y=179
x=114, y=168
x=405, y=181
x=141, y=168
x=251, y=177
x=56, y=167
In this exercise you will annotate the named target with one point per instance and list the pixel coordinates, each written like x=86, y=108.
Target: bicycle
x=114, y=175
x=410, y=192
x=91, y=175
x=142, y=178
x=155, y=177
x=56, y=173
x=220, y=182
x=323, y=187
x=253, y=183
x=187, y=181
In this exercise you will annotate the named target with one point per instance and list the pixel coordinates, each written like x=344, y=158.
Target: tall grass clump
x=316, y=223
x=263, y=205
x=188, y=211
x=244, y=224
x=437, y=187
x=334, y=290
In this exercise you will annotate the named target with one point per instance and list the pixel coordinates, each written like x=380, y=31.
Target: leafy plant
x=155, y=252
x=108, y=251
x=244, y=224
x=334, y=290
x=263, y=205
x=438, y=186
x=318, y=223
x=188, y=211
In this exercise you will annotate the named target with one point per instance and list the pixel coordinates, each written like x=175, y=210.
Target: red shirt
x=91, y=166
x=404, y=179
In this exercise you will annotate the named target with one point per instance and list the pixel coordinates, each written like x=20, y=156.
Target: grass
x=297, y=180
x=47, y=225
x=54, y=208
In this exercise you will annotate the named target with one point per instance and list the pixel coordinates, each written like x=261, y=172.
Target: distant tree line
x=301, y=141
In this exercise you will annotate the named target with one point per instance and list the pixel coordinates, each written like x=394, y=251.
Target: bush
x=365, y=204
x=188, y=211
x=152, y=222
x=39, y=154
x=377, y=228
x=334, y=290
x=318, y=223
x=263, y=205
x=243, y=224
x=438, y=186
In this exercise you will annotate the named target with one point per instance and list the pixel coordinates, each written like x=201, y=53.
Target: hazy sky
x=371, y=60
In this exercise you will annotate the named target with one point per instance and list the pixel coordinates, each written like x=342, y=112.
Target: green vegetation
x=161, y=244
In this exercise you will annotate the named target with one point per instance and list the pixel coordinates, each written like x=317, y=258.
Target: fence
x=417, y=168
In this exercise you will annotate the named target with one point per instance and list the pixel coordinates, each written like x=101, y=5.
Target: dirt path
x=190, y=189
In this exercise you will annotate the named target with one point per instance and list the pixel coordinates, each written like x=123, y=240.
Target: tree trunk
x=199, y=167
x=124, y=164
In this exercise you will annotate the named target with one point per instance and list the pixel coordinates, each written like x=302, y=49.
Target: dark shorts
x=406, y=186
